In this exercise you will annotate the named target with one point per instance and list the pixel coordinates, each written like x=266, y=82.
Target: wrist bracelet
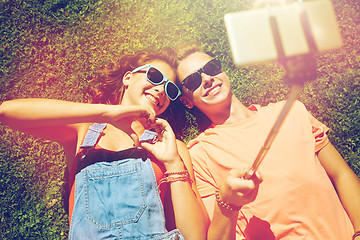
x=178, y=172
x=356, y=234
x=182, y=176
x=223, y=204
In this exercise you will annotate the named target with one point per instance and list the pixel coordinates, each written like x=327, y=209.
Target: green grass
x=51, y=48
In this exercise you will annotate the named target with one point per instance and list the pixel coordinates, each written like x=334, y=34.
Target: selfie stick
x=294, y=92
x=299, y=69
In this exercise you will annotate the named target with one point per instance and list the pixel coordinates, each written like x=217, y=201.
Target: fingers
x=135, y=138
x=165, y=147
x=147, y=146
x=163, y=128
x=241, y=185
x=237, y=190
x=149, y=115
x=145, y=114
x=241, y=173
x=163, y=124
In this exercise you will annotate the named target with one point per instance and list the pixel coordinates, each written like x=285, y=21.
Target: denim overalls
x=117, y=196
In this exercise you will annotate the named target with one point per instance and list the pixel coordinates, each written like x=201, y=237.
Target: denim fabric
x=119, y=200
x=93, y=135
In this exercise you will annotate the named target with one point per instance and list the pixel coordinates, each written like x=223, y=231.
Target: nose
x=160, y=89
x=207, y=80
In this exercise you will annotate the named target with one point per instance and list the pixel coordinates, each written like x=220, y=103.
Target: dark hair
x=109, y=88
x=185, y=49
x=191, y=116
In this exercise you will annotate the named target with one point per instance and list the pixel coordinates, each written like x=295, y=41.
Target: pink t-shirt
x=296, y=199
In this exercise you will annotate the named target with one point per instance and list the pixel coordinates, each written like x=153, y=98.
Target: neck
x=138, y=126
x=233, y=112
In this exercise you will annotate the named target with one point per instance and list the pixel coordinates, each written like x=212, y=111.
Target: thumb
x=237, y=172
x=135, y=138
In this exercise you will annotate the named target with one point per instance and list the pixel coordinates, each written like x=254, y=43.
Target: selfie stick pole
x=299, y=69
x=294, y=92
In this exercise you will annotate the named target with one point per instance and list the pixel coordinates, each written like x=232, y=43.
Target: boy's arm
x=234, y=192
x=223, y=224
x=345, y=181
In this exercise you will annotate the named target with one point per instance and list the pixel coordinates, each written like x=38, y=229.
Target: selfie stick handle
x=294, y=92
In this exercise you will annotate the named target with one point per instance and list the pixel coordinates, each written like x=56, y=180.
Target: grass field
x=52, y=48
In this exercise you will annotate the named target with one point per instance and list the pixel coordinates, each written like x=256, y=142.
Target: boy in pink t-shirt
x=296, y=199
x=307, y=190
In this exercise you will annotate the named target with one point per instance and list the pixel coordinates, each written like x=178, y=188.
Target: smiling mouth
x=213, y=91
x=154, y=100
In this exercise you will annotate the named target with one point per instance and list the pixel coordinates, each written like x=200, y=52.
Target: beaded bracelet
x=356, y=234
x=223, y=204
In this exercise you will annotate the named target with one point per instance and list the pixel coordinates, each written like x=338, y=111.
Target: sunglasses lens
x=193, y=81
x=171, y=90
x=154, y=75
x=212, y=68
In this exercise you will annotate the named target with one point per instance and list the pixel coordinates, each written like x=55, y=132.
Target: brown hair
x=109, y=87
x=191, y=116
x=185, y=49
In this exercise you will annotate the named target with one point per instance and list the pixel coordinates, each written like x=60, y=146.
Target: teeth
x=213, y=90
x=152, y=99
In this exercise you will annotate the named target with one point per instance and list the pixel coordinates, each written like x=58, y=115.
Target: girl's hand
x=165, y=148
x=117, y=115
x=122, y=117
x=237, y=191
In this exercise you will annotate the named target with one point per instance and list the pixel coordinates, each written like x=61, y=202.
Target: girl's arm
x=190, y=214
x=56, y=119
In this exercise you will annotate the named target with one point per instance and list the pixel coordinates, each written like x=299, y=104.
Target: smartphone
x=252, y=39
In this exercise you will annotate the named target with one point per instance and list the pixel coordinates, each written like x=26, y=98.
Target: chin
x=159, y=111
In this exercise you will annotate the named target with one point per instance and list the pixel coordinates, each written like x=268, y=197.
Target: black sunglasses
x=155, y=76
x=194, y=80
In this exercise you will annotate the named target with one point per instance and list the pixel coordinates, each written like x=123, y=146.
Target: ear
x=186, y=102
x=126, y=79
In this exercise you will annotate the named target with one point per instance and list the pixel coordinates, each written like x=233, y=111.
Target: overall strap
x=89, y=142
x=93, y=135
